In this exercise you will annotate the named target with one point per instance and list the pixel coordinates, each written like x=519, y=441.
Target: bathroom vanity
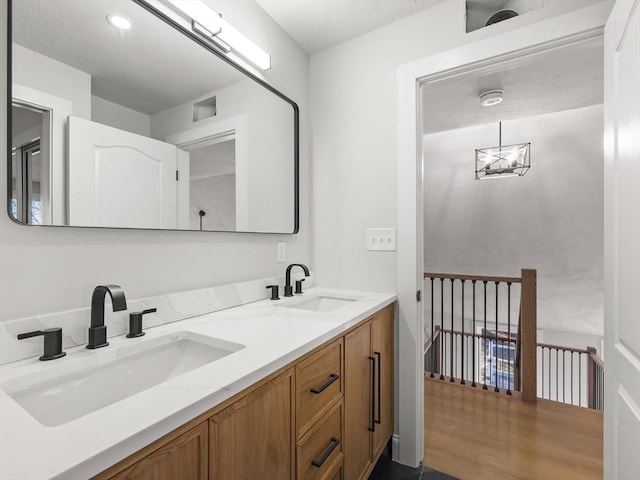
x=303, y=389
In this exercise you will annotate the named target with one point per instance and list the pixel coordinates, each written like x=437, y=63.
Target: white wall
x=551, y=219
x=109, y=113
x=354, y=102
x=49, y=269
x=216, y=196
x=47, y=75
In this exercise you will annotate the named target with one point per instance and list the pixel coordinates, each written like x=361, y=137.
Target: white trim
x=53, y=145
x=510, y=46
x=395, y=442
x=230, y=128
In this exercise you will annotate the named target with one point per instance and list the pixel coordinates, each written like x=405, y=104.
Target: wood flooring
x=476, y=434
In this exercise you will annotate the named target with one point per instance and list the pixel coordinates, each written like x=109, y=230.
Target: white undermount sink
x=324, y=303
x=118, y=374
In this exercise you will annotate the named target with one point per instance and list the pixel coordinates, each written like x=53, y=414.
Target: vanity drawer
x=319, y=383
x=319, y=452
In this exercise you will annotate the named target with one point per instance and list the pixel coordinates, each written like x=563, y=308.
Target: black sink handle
x=52, y=342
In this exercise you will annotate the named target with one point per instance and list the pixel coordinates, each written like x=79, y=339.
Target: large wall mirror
x=149, y=127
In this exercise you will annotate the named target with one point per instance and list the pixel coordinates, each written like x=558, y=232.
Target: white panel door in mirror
x=120, y=179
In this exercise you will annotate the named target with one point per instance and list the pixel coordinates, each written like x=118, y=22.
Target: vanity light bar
x=206, y=21
x=244, y=47
x=200, y=12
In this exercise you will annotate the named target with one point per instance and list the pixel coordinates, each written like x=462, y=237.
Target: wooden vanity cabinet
x=319, y=412
x=255, y=437
x=368, y=393
x=326, y=416
x=382, y=346
x=183, y=458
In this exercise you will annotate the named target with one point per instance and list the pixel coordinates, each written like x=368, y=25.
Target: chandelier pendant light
x=503, y=160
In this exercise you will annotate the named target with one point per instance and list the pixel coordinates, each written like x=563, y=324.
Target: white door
x=622, y=242
x=120, y=179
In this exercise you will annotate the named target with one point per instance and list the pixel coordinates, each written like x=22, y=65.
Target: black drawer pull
x=379, y=388
x=332, y=447
x=372, y=427
x=332, y=378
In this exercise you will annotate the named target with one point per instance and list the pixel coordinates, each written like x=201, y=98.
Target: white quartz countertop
x=273, y=334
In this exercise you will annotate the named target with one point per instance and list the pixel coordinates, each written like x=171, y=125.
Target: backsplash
x=170, y=308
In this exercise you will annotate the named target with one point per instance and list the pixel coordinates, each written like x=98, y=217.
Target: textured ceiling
x=568, y=78
x=148, y=68
x=319, y=24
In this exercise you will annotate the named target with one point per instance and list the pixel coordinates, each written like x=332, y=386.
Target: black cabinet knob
x=52, y=342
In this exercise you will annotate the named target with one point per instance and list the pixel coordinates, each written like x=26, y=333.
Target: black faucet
x=288, y=289
x=98, y=330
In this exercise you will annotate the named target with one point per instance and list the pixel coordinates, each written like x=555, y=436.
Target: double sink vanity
x=301, y=387
x=218, y=383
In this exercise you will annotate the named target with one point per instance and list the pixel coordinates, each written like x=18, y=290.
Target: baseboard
x=395, y=446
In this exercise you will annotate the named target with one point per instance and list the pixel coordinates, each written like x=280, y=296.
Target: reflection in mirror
x=27, y=176
x=142, y=128
x=212, y=186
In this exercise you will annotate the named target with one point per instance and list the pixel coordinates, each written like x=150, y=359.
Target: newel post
x=528, y=336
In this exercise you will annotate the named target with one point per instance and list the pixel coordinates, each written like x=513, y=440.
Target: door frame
x=53, y=146
x=230, y=128
x=499, y=51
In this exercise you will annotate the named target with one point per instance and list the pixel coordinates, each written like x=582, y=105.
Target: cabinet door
x=358, y=402
x=382, y=347
x=184, y=458
x=254, y=437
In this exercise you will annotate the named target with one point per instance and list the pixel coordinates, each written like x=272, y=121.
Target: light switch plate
x=281, y=252
x=381, y=239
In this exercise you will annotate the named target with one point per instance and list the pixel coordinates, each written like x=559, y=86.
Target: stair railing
x=499, y=343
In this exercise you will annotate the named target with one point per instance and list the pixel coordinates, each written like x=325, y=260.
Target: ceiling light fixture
x=119, y=21
x=503, y=161
x=210, y=25
x=491, y=98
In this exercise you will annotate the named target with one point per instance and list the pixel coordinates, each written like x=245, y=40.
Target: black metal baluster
x=509, y=337
x=473, y=338
x=433, y=343
x=451, y=378
x=462, y=316
x=496, y=355
x=484, y=339
x=444, y=337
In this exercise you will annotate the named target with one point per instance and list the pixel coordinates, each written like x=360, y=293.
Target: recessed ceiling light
x=491, y=98
x=119, y=21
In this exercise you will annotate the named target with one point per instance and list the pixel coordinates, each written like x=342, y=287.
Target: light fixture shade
x=503, y=161
x=212, y=26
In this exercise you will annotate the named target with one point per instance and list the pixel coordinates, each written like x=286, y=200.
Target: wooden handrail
x=458, y=276
x=593, y=353
x=567, y=349
x=501, y=337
